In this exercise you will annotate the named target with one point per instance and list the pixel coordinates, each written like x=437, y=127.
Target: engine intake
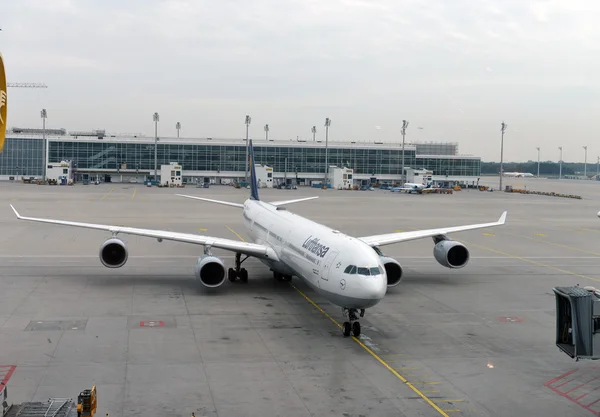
x=210, y=271
x=113, y=253
x=393, y=270
x=451, y=254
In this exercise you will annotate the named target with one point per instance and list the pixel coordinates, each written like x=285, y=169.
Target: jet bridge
x=578, y=321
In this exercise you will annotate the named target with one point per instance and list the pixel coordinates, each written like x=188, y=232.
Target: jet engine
x=210, y=271
x=113, y=253
x=393, y=270
x=451, y=254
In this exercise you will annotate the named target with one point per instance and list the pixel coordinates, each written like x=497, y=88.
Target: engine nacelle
x=393, y=270
x=113, y=253
x=210, y=271
x=451, y=254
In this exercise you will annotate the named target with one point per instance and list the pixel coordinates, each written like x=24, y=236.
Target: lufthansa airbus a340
x=351, y=272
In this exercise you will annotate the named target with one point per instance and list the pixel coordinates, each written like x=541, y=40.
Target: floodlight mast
x=404, y=126
x=155, y=118
x=266, y=132
x=314, y=132
x=538, y=173
x=44, y=115
x=560, y=164
x=178, y=126
x=585, y=163
x=327, y=124
x=248, y=120
x=502, y=129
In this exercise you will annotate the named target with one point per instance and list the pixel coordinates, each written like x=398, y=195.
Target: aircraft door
x=328, y=264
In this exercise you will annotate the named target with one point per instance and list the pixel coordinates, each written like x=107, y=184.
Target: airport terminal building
x=131, y=158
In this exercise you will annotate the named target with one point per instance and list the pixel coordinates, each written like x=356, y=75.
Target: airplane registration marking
x=378, y=358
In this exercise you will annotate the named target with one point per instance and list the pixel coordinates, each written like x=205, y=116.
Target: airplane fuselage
x=319, y=255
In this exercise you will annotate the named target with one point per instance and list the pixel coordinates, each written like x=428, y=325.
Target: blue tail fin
x=253, y=180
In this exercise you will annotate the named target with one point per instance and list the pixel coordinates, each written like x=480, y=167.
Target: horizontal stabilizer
x=225, y=203
x=297, y=200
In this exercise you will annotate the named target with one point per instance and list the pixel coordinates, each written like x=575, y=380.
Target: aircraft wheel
x=346, y=328
x=244, y=275
x=231, y=274
x=356, y=329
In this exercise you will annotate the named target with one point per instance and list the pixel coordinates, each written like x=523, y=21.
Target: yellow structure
x=87, y=403
x=3, y=104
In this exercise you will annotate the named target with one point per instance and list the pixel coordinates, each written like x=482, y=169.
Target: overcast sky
x=454, y=68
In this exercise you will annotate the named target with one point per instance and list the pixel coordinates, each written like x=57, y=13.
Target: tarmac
x=476, y=341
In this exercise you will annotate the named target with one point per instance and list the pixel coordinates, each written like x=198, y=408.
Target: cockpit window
x=363, y=271
x=375, y=271
x=350, y=269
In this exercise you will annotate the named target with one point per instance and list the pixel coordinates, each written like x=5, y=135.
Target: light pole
x=597, y=168
x=502, y=129
x=44, y=115
x=314, y=132
x=248, y=120
x=266, y=132
x=585, y=163
x=327, y=124
x=538, y=149
x=156, y=119
x=560, y=163
x=178, y=126
x=404, y=126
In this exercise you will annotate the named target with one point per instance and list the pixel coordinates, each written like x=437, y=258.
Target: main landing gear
x=281, y=277
x=352, y=326
x=238, y=272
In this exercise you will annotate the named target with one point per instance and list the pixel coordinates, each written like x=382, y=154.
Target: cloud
x=293, y=63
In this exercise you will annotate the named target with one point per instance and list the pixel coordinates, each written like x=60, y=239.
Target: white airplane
x=411, y=187
x=518, y=174
x=350, y=272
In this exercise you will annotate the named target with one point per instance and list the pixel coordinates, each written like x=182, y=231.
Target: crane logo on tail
x=3, y=104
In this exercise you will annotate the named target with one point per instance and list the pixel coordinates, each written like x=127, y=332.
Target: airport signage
x=313, y=245
x=3, y=104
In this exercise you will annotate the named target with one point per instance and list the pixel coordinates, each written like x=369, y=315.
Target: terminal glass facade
x=27, y=155
x=110, y=155
x=22, y=157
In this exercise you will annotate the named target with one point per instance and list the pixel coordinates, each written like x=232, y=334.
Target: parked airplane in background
x=350, y=272
x=410, y=187
x=518, y=174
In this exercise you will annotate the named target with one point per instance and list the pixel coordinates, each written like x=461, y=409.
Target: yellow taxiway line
x=361, y=344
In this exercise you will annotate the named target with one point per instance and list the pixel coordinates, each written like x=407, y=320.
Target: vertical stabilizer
x=253, y=180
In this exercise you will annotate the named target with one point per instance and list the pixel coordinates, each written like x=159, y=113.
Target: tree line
x=546, y=168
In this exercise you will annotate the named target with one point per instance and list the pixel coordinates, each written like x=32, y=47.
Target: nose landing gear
x=353, y=325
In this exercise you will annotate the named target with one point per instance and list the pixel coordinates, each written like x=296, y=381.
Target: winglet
x=502, y=218
x=15, y=210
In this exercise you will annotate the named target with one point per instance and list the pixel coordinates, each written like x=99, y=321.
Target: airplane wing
x=297, y=200
x=251, y=249
x=388, y=239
